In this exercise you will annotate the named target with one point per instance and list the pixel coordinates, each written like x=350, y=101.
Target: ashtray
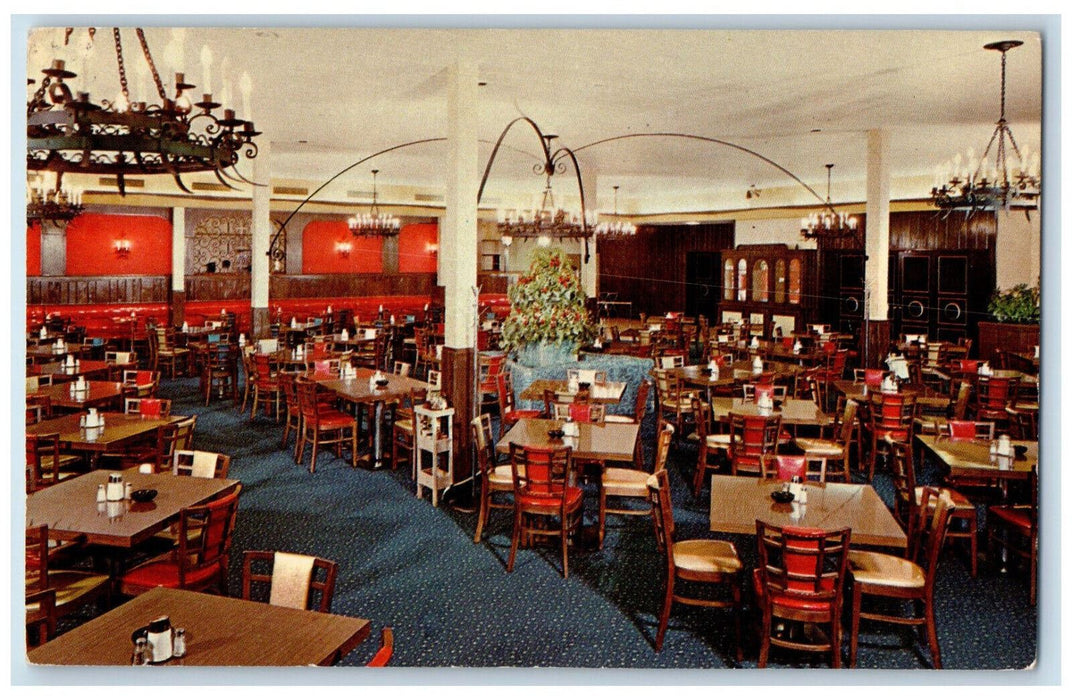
x=584, y=386
x=143, y=495
x=778, y=403
x=556, y=434
x=1020, y=450
x=705, y=370
x=382, y=382
x=782, y=496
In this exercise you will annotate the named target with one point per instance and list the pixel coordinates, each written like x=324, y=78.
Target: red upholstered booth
x=99, y=320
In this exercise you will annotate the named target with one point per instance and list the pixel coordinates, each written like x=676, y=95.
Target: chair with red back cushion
x=323, y=424
x=1015, y=527
x=199, y=563
x=789, y=467
x=967, y=430
x=890, y=416
x=752, y=438
x=508, y=413
x=143, y=382
x=547, y=503
x=992, y=396
x=490, y=365
x=706, y=562
x=267, y=386
x=387, y=648
x=800, y=579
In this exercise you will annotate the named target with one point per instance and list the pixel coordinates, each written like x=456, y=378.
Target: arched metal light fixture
x=70, y=134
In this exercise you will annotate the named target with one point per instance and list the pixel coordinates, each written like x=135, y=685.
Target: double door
x=942, y=293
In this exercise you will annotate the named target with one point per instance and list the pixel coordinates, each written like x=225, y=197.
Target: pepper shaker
x=178, y=644
x=101, y=495
x=128, y=489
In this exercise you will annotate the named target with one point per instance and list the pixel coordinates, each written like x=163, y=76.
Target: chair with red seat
x=147, y=408
x=547, y=502
x=992, y=396
x=387, y=648
x=71, y=589
x=1014, y=526
x=292, y=417
x=712, y=563
x=267, y=386
x=910, y=578
x=494, y=477
x=752, y=438
x=143, y=382
x=323, y=424
x=889, y=417
x=800, y=580
x=199, y=563
x=508, y=413
x=871, y=377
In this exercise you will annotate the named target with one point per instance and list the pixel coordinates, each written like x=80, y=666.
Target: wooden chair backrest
x=803, y=563
x=257, y=581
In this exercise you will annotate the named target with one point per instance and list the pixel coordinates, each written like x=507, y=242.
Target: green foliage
x=547, y=304
x=1017, y=305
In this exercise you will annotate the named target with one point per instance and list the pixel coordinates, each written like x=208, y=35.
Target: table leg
x=377, y=436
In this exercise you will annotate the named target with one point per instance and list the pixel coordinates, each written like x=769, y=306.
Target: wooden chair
x=200, y=464
x=489, y=366
x=45, y=464
x=547, y=503
x=303, y=582
x=632, y=484
x=387, y=648
x=587, y=376
x=712, y=563
x=931, y=424
x=752, y=438
x=640, y=406
x=789, y=467
x=709, y=444
x=323, y=424
x=992, y=396
x=871, y=377
x=292, y=416
x=199, y=563
x=674, y=402
x=751, y=392
x=508, y=413
x=41, y=616
x=800, y=579
x=1023, y=423
x=267, y=386
x=889, y=416
x=403, y=437
x=249, y=369
x=578, y=411
x=835, y=450
x=144, y=382
x=70, y=589
x=910, y=578
x=494, y=478
x=1015, y=527
x=147, y=408
x=163, y=351
x=906, y=499
x=220, y=372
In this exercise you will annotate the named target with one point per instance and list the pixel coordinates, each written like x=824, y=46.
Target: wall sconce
x=343, y=248
x=431, y=248
x=122, y=247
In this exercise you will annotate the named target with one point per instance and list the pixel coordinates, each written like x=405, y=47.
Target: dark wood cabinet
x=768, y=286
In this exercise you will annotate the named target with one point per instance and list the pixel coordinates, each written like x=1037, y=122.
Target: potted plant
x=1015, y=327
x=548, y=320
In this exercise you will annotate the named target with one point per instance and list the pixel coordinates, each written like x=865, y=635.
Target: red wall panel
x=33, y=250
x=418, y=248
x=319, y=255
x=91, y=245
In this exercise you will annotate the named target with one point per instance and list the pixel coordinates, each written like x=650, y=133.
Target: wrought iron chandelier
x=974, y=185
x=616, y=228
x=55, y=205
x=828, y=223
x=374, y=223
x=71, y=134
x=546, y=223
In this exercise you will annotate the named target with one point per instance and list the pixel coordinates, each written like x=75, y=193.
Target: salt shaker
x=101, y=495
x=128, y=489
x=178, y=643
x=142, y=655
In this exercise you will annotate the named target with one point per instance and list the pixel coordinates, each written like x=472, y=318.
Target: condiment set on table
x=158, y=642
x=71, y=364
x=92, y=424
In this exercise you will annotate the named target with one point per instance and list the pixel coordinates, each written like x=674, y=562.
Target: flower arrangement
x=1017, y=305
x=547, y=305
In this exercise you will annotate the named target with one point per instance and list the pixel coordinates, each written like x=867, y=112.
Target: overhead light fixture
x=616, y=228
x=548, y=222
x=828, y=222
x=56, y=205
x=134, y=135
x=374, y=223
x=971, y=185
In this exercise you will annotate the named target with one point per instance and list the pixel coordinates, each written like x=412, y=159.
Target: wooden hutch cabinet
x=769, y=285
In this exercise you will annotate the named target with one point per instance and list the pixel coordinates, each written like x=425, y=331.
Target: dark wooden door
x=703, y=283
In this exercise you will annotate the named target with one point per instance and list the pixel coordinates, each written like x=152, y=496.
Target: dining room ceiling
x=327, y=97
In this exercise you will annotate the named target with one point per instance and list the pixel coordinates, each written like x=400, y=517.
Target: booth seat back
x=99, y=320
x=197, y=312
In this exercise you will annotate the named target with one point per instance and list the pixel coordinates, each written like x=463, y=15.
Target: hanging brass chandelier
x=828, y=223
x=55, y=205
x=68, y=133
x=615, y=228
x=547, y=223
x=971, y=184
x=374, y=223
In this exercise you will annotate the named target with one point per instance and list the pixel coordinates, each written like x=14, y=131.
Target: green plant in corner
x=547, y=305
x=1017, y=305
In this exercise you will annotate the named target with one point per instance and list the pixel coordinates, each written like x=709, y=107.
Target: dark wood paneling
x=492, y=284
x=217, y=287
x=648, y=269
x=324, y=286
x=136, y=289
x=927, y=230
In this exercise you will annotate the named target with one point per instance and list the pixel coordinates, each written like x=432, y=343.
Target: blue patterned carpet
x=451, y=602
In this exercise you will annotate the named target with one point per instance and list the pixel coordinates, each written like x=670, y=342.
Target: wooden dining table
x=733, y=374
x=359, y=390
x=603, y=442
x=46, y=353
x=737, y=502
x=70, y=508
x=971, y=458
x=99, y=394
x=90, y=369
x=607, y=392
x=793, y=411
x=120, y=431
x=923, y=394
x=220, y=631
